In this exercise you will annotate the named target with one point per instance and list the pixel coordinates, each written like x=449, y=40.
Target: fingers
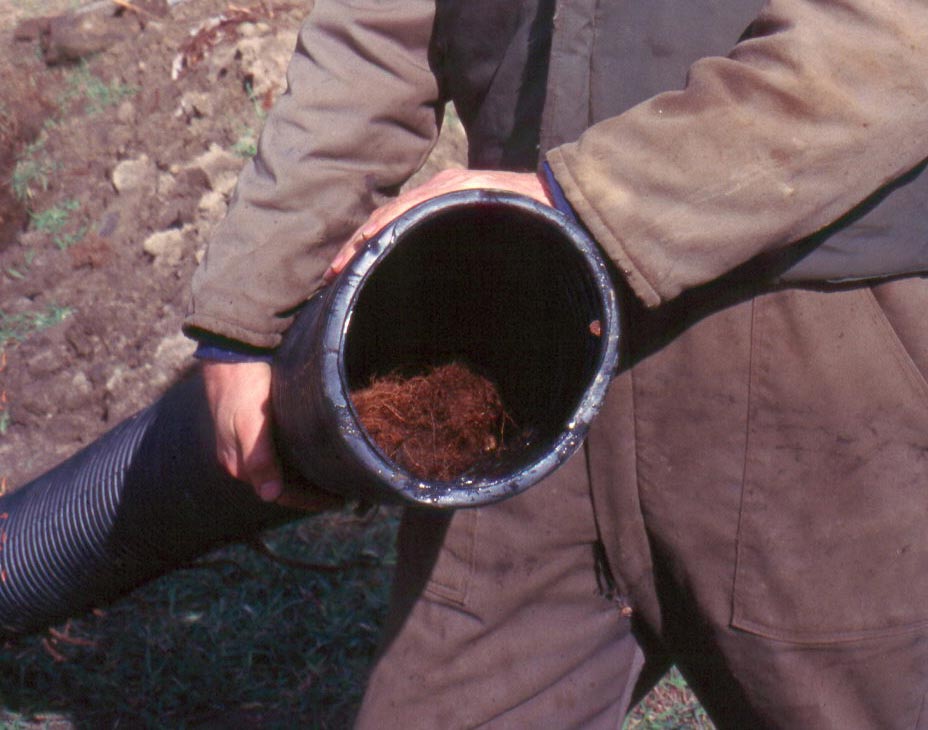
x=257, y=460
x=447, y=181
x=239, y=397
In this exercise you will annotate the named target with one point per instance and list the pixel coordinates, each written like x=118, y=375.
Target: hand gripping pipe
x=498, y=280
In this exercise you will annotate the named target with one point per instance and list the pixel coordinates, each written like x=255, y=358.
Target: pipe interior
x=502, y=290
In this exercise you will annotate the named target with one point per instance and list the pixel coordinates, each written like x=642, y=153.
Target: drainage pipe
x=495, y=279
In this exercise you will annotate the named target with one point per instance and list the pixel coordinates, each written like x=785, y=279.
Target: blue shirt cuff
x=222, y=349
x=557, y=193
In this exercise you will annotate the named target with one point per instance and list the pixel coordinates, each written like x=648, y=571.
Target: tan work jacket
x=773, y=437
x=815, y=111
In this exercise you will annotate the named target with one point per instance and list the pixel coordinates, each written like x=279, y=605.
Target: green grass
x=8, y=123
x=95, y=94
x=256, y=104
x=282, y=647
x=32, y=173
x=22, y=270
x=239, y=633
x=247, y=144
x=17, y=327
x=55, y=220
x=65, y=240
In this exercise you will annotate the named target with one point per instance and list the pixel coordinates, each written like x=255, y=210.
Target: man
x=750, y=504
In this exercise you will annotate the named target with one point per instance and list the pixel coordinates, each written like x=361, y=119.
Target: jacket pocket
x=832, y=539
x=451, y=575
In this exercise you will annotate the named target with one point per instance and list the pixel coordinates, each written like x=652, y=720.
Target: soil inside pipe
x=438, y=424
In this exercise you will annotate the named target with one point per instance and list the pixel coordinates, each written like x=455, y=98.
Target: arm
x=360, y=115
x=822, y=104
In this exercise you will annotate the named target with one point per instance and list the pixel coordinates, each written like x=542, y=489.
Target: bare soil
x=115, y=164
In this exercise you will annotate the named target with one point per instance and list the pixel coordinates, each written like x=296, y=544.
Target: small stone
x=76, y=35
x=139, y=174
x=216, y=162
x=165, y=247
x=47, y=361
x=196, y=104
x=125, y=112
x=174, y=352
x=167, y=184
x=212, y=206
x=225, y=183
x=264, y=60
x=80, y=383
x=31, y=29
x=116, y=378
x=247, y=30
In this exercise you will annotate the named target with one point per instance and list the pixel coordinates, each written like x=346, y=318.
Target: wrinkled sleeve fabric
x=360, y=115
x=820, y=105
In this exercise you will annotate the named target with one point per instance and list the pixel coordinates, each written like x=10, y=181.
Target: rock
x=166, y=247
x=78, y=392
x=76, y=35
x=166, y=186
x=47, y=361
x=180, y=207
x=225, y=183
x=126, y=113
x=172, y=355
x=196, y=104
x=138, y=175
x=31, y=29
x=263, y=63
x=217, y=163
x=212, y=206
x=247, y=30
x=115, y=379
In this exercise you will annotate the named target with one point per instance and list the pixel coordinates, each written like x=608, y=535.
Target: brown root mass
x=436, y=425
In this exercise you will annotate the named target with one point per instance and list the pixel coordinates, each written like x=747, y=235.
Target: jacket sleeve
x=359, y=116
x=820, y=105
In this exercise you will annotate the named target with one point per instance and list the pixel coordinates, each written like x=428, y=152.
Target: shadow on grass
x=238, y=641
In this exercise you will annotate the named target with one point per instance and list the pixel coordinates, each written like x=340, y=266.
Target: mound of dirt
x=123, y=127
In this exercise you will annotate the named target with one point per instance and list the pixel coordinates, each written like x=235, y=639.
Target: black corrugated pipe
x=495, y=279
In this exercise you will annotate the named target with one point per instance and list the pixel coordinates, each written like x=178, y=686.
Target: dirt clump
x=438, y=424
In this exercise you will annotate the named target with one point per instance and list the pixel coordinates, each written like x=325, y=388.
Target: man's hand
x=447, y=181
x=239, y=400
x=239, y=393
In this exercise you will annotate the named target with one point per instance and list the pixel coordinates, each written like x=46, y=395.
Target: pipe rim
x=468, y=491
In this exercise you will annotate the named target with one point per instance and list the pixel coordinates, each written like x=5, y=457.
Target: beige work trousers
x=759, y=484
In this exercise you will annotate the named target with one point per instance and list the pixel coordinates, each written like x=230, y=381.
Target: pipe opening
x=496, y=281
x=499, y=289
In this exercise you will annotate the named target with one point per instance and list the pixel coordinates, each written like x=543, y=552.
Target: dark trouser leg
x=498, y=621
